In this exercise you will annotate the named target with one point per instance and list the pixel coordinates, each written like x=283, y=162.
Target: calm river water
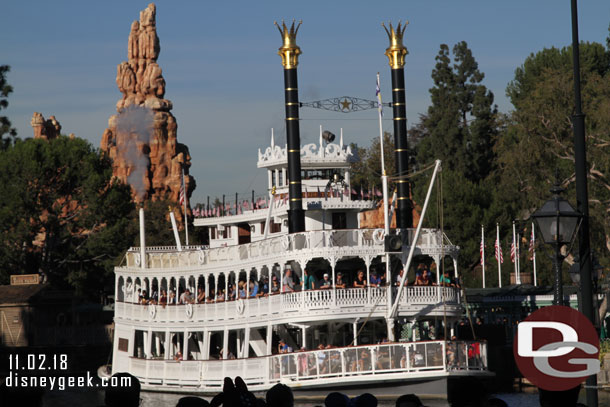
x=85, y=399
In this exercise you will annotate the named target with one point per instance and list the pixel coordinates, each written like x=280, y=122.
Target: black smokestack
x=396, y=54
x=289, y=53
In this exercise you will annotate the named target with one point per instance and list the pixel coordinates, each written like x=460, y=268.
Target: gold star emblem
x=345, y=104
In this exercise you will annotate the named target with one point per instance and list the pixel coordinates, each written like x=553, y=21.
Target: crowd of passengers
x=291, y=283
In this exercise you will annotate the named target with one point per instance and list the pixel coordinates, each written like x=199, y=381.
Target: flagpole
x=483, y=253
x=519, y=257
x=534, y=253
x=386, y=224
x=384, y=177
x=186, y=222
x=514, y=254
x=498, y=251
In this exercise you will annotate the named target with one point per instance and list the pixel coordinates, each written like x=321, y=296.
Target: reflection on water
x=72, y=399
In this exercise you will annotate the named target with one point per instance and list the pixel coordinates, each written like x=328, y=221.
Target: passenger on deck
x=220, y=297
x=275, y=286
x=154, y=296
x=144, y=298
x=446, y=280
x=172, y=297
x=309, y=281
x=360, y=281
x=263, y=287
x=325, y=283
x=419, y=277
x=211, y=296
x=282, y=347
x=231, y=293
x=375, y=281
x=253, y=289
x=200, y=295
x=288, y=282
x=241, y=290
x=399, y=278
x=426, y=278
x=340, y=282
x=163, y=298
x=186, y=297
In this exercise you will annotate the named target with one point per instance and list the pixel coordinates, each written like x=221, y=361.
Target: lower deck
x=416, y=362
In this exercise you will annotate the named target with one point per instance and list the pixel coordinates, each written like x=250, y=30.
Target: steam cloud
x=134, y=131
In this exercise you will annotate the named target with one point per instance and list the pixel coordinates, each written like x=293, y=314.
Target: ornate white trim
x=310, y=153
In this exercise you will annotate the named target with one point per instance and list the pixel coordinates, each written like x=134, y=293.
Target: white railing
x=303, y=368
x=316, y=240
x=296, y=304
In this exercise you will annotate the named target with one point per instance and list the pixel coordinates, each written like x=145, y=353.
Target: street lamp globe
x=558, y=222
x=557, y=219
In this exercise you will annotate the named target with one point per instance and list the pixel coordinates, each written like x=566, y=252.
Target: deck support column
x=367, y=264
x=225, y=343
x=304, y=336
x=269, y=337
x=246, y=347
x=355, y=331
x=438, y=260
x=185, y=346
x=168, y=347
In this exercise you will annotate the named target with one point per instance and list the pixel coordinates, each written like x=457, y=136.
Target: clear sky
x=225, y=79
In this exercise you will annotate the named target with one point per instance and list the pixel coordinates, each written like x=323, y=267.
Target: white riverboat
x=387, y=339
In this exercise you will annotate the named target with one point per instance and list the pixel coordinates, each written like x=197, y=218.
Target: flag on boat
x=378, y=94
x=182, y=192
x=499, y=256
x=513, y=252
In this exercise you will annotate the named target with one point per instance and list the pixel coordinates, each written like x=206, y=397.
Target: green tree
x=366, y=173
x=540, y=138
x=5, y=124
x=62, y=213
x=460, y=128
x=461, y=120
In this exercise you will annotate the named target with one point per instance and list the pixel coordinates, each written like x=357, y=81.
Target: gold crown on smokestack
x=289, y=51
x=396, y=51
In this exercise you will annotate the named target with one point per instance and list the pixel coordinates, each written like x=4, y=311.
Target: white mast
x=186, y=221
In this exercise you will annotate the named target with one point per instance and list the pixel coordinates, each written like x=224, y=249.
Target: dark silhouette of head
x=408, y=400
x=496, y=402
x=566, y=398
x=365, y=400
x=191, y=401
x=123, y=391
x=336, y=399
x=280, y=395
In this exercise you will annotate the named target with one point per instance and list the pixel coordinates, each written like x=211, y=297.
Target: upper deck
x=167, y=261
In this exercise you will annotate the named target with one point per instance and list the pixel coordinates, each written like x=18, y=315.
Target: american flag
x=499, y=256
x=532, y=245
x=378, y=94
x=182, y=193
x=513, y=252
x=482, y=251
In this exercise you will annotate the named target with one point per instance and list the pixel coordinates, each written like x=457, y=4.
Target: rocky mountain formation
x=141, y=139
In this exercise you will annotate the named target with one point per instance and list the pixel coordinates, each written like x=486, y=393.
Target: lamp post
x=557, y=221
